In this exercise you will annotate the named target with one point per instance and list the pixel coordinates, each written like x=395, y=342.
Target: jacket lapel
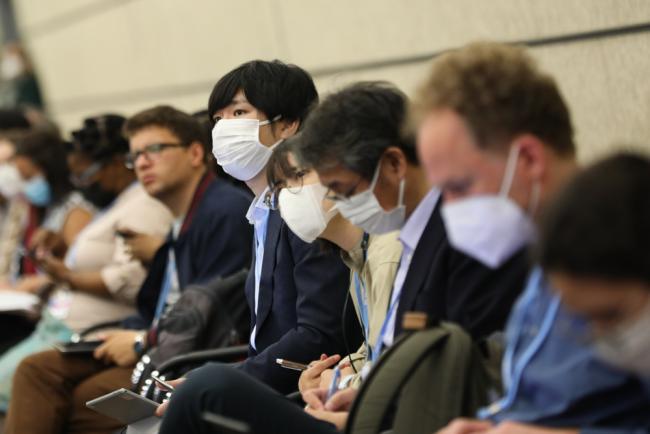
x=422, y=265
x=265, y=300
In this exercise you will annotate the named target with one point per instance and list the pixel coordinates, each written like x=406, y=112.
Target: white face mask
x=628, y=346
x=491, y=228
x=303, y=211
x=237, y=148
x=11, y=183
x=11, y=67
x=363, y=210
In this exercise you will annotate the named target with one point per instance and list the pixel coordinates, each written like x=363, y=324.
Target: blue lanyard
x=513, y=371
x=362, y=295
x=380, y=339
x=170, y=271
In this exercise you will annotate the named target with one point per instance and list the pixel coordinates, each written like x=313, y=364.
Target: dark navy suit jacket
x=302, y=292
x=214, y=240
x=451, y=286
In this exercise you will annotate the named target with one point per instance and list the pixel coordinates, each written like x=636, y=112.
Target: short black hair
x=353, y=127
x=598, y=226
x=274, y=87
x=100, y=138
x=184, y=126
x=47, y=150
x=13, y=119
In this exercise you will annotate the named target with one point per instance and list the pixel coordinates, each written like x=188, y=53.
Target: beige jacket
x=98, y=248
x=377, y=275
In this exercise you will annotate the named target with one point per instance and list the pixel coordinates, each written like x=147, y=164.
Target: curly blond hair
x=500, y=92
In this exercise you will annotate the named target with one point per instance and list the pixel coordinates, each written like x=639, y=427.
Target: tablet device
x=83, y=347
x=123, y=405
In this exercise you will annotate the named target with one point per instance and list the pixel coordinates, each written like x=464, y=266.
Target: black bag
x=212, y=315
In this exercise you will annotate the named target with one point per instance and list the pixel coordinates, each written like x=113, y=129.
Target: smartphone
x=165, y=385
x=124, y=233
x=288, y=364
x=83, y=347
x=123, y=405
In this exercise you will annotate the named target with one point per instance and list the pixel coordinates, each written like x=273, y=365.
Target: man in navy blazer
x=296, y=291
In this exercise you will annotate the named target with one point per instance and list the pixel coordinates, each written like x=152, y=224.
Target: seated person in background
x=372, y=259
x=594, y=248
x=12, y=215
x=209, y=238
x=55, y=207
x=499, y=159
x=353, y=141
x=97, y=280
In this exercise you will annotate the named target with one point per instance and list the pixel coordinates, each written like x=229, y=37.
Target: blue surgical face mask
x=37, y=191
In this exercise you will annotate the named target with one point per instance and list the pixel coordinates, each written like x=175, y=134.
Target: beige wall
x=125, y=55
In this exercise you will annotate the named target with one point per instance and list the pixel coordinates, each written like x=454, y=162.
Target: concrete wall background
x=125, y=55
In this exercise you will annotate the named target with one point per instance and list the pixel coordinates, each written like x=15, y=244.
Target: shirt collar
x=258, y=208
x=414, y=227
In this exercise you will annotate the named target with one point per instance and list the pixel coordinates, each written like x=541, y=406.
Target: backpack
x=422, y=382
x=206, y=316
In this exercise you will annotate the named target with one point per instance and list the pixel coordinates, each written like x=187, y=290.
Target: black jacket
x=302, y=292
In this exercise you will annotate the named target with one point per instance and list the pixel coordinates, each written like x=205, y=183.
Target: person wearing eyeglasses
x=96, y=280
x=209, y=238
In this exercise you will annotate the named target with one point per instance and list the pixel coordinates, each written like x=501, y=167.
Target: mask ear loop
x=509, y=174
x=400, y=198
x=534, y=198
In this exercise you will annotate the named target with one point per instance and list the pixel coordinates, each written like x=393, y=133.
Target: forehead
x=151, y=135
x=447, y=148
x=336, y=176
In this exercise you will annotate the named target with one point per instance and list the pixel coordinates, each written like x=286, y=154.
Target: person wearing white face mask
x=594, y=246
x=372, y=259
x=352, y=141
x=255, y=107
x=518, y=128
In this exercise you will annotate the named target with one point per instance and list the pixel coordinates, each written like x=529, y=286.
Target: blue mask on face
x=37, y=191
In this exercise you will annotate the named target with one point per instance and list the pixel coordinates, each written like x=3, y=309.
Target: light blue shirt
x=258, y=216
x=409, y=237
x=553, y=378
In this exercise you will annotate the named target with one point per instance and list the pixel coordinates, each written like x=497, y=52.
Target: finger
x=467, y=426
x=160, y=411
x=323, y=356
x=312, y=400
x=327, y=363
x=177, y=382
x=100, y=351
x=341, y=400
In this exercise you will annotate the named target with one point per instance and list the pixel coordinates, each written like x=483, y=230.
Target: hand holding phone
x=162, y=384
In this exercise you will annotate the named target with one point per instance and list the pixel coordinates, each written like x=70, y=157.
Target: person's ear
x=286, y=129
x=395, y=164
x=532, y=157
x=197, y=154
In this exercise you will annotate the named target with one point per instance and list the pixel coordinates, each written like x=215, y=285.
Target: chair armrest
x=227, y=354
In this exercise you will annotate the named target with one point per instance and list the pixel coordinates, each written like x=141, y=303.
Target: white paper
x=17, y=301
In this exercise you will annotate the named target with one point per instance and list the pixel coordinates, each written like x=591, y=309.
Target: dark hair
x=47, y=151
x=13, y=119
x=278, y=168
x=275, y=88
x=184, y=126
x=598, y=226
x=354, y=127
x=500, y=92
x=100, y=138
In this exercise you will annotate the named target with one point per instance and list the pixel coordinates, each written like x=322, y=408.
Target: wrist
x=140, y=343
